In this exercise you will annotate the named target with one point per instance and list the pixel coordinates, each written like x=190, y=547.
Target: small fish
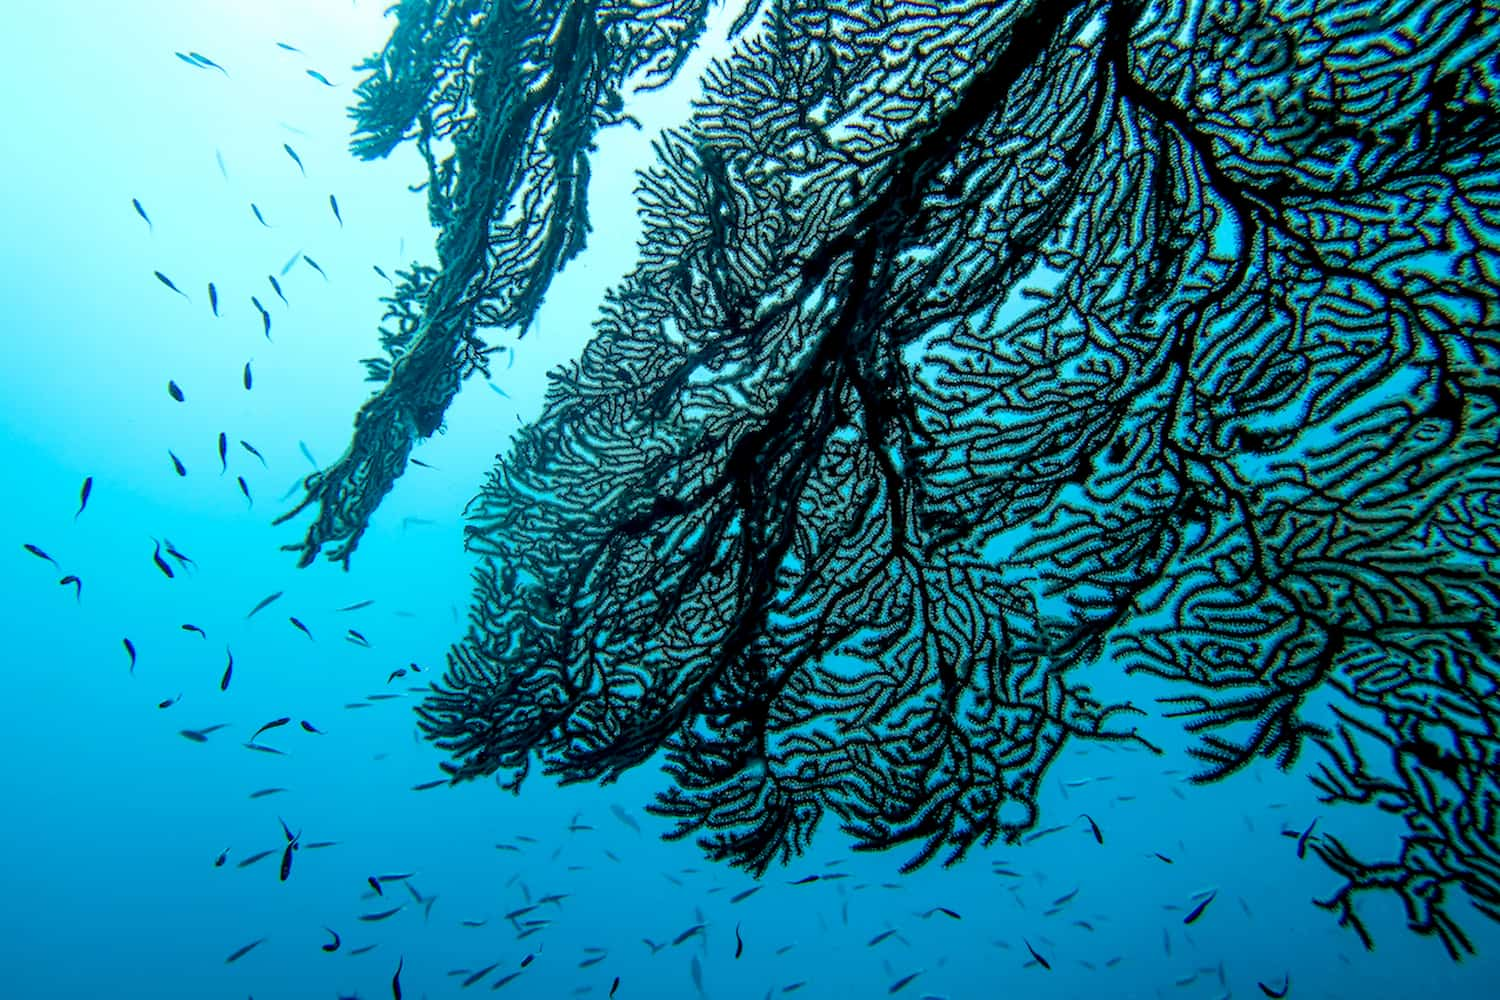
x=528, y=960
x=1042, y=961
x=614, y=986
x=252, y=859
x=319, y=77
x=1094, y=827
x=142, y=213
x=286, y=861
x=333, y=203
x=223, y=170
x=375, y=884
x=169, y=702
x=291, y=263
x=355, y=607
x=378, y=271
x=307, y=454
x=310, y=728
x=40, y=554
x=395, y=674
x=263, y=792
x=276, y=285
x=223, y=453
x=175, y=391
x=289, y=48
x=690, y=932
x=880, y=937
x=357, y=638
x=739, y=942
x=200, y=735
x=1197, y=911
x=265, y=317
x=203, y=60
x=746, y=894
x=213, y=298
x=314, y=265
x=477, y=976
x=362, y=949
x=195, y=628
x=499, y=391
x=273, y=724
x=129, y=649
x=83, y=495
x=1302, y=840
x=300, y=627
x=295, y=158
x=242, y=952
x=418, y=461
x=258, y=217
x=265, y=602
x=1274, y=993
x=424, y=786
x=189, y=60
x=1163, y=858
x=161, y=563
x=245, y=489
x=177, y=463
x=902, y=983
x=223, y=857
x=944, y=911
x=382, y=914
x=168, y=282
x=228, y=670
x=334, y=944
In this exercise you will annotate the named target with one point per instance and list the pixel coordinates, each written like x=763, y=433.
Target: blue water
x=114, y=820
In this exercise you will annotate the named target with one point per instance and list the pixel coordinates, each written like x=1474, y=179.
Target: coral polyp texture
x=970, y=346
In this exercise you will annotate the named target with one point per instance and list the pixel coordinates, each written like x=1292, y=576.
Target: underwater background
x=127, y=768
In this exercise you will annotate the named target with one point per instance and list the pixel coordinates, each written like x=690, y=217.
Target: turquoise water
x=115, y=818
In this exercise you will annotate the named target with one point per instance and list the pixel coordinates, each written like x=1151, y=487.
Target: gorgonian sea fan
x=971, y=345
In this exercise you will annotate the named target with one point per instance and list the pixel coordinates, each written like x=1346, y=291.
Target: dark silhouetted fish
x=362, y=949
x=34, y=550
x=195, y=628
x=223, y=857
x=129, y=649
x=1276, y=994
x=499, y=391
x=300, y=627
x=309, y=727
x=168, y=282
x=161, y=563
x=319, y=77
x=378, y=271
x=258, y=217
x=902, y=983
x=228, y=670
x=333, y=203
x=276, y=286
x=265, y=602
x=265, y=317
x=746, y=894
x=142, y=213
x=201, y=735
x=334, y=944
x=295, y=158
x=358, y=638
x=291, y=263
x=175, y=391
x=213, y=298
x=314, y=265
x=248, y=381
x=1302, y=840
x=381, y=914
x=424, y=786
x=1197, y=911
x=307, y=454
x=252, y=859
x=203, y=60
x=169, y=702
x=223, y=453
x=242, y=952
x=263, y=792
x=289, y=48
x=177, y=463
x=357, y=606
x=1040, y=960
x=189, y=60
x=273, y=724
x=286, y=861
x=1094, y=828
x=245, y=489
x=83, y=495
